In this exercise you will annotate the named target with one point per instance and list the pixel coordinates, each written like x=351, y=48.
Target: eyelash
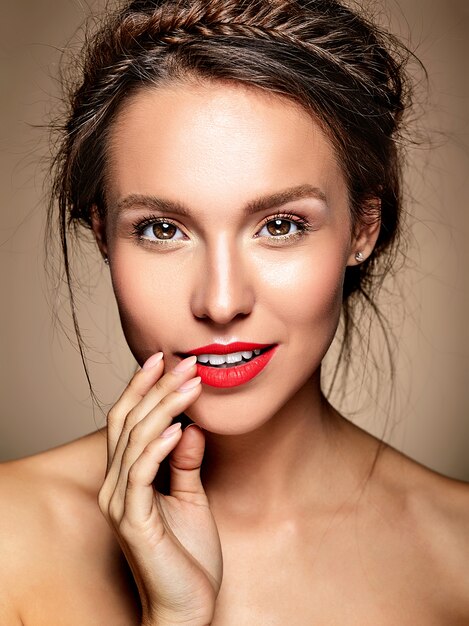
x=304, y=227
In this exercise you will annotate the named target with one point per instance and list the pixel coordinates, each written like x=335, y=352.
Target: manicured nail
x=152, y=361
x=192, y=426
x=186, y=364
x=171, y=430
x=190, y=384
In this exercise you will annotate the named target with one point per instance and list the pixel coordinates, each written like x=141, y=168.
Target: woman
x=238, y=165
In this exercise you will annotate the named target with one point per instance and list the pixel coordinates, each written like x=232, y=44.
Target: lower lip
x=236, y=375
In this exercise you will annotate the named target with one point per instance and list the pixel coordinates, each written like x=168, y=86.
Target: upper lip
x=219, y=348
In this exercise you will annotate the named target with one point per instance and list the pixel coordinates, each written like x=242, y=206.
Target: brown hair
x=321, y=54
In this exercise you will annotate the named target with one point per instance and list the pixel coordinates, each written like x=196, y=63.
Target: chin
x=226, y=414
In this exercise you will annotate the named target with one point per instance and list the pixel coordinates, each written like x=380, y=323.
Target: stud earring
x=359, y=257
x=106, y=260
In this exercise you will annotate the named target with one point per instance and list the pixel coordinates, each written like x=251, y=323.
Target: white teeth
x=236, y=357
x=232, y=357
x=216, y=359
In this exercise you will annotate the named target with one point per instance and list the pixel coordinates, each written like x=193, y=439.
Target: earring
x=359, y=257
x=106, y=260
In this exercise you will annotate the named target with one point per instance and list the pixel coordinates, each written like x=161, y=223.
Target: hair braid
x=283, y=21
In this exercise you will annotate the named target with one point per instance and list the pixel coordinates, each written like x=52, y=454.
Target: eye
x=281, y=227
x=157, y=230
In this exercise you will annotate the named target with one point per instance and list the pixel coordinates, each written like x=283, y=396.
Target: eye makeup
x=273, y=222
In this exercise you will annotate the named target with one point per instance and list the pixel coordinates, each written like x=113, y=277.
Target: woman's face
x=228, y=221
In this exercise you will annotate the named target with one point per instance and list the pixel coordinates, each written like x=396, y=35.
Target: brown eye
x=164, y=230
x=278, y=227
x=158, y=231
x=284, y=228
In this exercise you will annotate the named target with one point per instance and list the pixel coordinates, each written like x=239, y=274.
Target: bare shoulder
x=441, y=504
x=31, y=488
x=41, y=491
x=434, y=512
x=43, y=499
x=440, y=501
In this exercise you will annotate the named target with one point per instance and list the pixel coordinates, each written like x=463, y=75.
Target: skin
x=284, y=495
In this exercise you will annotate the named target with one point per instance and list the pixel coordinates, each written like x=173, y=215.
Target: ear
x=366, y=231
x=98, y=226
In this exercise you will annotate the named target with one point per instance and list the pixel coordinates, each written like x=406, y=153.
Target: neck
x=279, y=466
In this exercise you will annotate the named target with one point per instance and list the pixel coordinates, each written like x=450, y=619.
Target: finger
x=185, y=463
x=148, y=429
x=139, y=494
x=171, y=380
x=138, y=387
x=165, y=385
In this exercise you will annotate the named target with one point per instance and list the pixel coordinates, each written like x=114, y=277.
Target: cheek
x=149, y=297
x=306, y=291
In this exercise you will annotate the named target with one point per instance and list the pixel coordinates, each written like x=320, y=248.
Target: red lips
x=236, y=374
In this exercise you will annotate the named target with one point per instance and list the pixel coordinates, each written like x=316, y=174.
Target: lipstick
x=236, y=374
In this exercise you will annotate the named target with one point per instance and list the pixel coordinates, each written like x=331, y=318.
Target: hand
x=170, y=541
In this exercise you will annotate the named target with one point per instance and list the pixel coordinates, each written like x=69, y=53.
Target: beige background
x=45, y=398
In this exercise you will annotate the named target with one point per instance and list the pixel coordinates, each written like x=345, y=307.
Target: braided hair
x=346, y=72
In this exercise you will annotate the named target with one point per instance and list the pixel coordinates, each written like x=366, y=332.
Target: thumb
x=185, y=461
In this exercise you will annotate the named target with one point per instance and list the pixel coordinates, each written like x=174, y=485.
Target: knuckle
x=113, y=414
x=135, y=434
x=115, y=510
x=103, y=500
x=125, y=527
x=131, y=531
x=129, y=421
x=133, y=477
x=115, y=507
x=133, y=418
x=172, y=400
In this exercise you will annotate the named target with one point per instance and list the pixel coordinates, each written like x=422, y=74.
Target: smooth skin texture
x=283, y=512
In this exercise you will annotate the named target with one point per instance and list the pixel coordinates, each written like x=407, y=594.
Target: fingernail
x=152, y=361
x=186, y=364
x=171, y=430
x=192, y=426
x=190, y=384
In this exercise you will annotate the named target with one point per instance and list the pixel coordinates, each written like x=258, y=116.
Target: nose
x=222, y=289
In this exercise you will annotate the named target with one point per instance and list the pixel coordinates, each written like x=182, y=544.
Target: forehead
x=212, y=143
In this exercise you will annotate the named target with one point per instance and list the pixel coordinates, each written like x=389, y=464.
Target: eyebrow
x=270, y=201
